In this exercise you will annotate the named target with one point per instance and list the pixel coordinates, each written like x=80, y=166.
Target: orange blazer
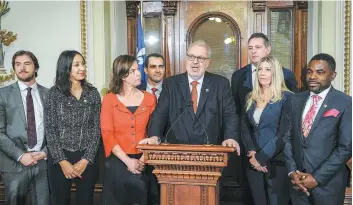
x=120, y=126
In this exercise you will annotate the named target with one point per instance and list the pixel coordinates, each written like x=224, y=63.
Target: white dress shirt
x=38, y=112
x=158, y=91
x=253, y=74
x=309, y=102
x=198, y=87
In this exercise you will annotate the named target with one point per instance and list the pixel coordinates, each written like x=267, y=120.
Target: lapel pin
x=84, y=100
x=143, y=109
x=207, y=90
x=325, y=106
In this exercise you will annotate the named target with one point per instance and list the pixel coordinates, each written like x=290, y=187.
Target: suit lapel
x=301, y=106
x=322, y=110
x=248, y=77
x=16, y=94
x=185, y=91
x=42, y=94
x=250, y=113
x=205, y=90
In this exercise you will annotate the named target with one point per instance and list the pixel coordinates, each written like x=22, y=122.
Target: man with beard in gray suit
x=22, y=139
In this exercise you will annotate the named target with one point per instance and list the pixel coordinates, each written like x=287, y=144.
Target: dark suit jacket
x=329, y=143
x=216, y=111
x=13, y=131
x=266, y=137
x=242, y=85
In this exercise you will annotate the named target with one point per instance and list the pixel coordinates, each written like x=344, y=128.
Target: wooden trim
x=131, y=13
x=347, y=48
x=83, y=28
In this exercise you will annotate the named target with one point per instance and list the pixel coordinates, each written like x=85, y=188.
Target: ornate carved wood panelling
x=301, y=4
x=170, y=8
x=132, y=8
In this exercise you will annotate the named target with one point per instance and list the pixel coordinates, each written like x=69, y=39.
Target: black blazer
x=216, y=111
x=328, y=146
x=266, y=137
x=242, y=85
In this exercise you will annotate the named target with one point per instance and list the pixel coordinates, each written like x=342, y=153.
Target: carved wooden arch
x=233, y=25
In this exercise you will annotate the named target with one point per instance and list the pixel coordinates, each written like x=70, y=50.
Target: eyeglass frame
x=200, y=59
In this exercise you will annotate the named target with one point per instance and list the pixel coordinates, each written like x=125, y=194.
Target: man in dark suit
x=243, y=82
x=155, y=71
x=319, y=143
x=22, y=140
x=197, y=105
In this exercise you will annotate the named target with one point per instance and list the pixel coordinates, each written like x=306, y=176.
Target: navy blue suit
x=325, y=151
x=241, y=86
x=266, y=139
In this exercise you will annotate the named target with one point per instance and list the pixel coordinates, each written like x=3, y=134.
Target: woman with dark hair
x=124, y=118
x=72, y=131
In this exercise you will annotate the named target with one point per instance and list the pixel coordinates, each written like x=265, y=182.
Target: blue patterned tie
x=31, y=120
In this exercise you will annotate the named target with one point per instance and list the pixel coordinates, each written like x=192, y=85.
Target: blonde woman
x=263, y=124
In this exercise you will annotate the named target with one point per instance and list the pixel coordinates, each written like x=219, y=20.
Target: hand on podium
x=232, y=143
x=152, y=140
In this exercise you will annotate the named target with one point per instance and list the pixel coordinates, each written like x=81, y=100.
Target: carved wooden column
x=169, y=11
x=300, y=36
x=131, y=12
x=259, y=8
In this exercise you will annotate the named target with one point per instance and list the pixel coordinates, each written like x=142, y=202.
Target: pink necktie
x=309, y=117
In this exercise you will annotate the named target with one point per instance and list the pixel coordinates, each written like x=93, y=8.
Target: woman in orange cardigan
x=124, y=118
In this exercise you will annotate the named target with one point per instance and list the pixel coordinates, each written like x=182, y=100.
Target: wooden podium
x=188, y=174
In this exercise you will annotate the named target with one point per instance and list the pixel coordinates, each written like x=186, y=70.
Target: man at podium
x=197, y=106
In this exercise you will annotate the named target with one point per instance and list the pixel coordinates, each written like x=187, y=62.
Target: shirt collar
x=323, y=94
x=23, y=86
x=253, y=68
x=159, y=86
x=199, y=80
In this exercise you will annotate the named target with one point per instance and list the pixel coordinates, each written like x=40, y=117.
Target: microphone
x=203, y=128
x=188, y=104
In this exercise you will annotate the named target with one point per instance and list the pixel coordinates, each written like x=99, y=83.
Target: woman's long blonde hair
x=277, y=82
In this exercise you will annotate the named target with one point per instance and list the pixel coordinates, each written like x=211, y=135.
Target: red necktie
x=194, y=95
x=31, y=120
x=154, y=90
x=309, y=117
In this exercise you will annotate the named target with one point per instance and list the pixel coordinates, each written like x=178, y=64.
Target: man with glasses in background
x=197, y=106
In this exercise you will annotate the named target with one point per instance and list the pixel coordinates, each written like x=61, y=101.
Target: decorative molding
x=187, y=157
x=258, y=6
x=170, y=8
x=347, y=48
x=170, y=189
x=132, y=8
x=204, y=195
x=301, y=4
x=83, y=28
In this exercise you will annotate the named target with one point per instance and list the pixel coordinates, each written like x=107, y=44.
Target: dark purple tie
x=31, y=120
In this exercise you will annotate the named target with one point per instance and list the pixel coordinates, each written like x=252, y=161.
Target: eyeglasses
x=200, y=59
